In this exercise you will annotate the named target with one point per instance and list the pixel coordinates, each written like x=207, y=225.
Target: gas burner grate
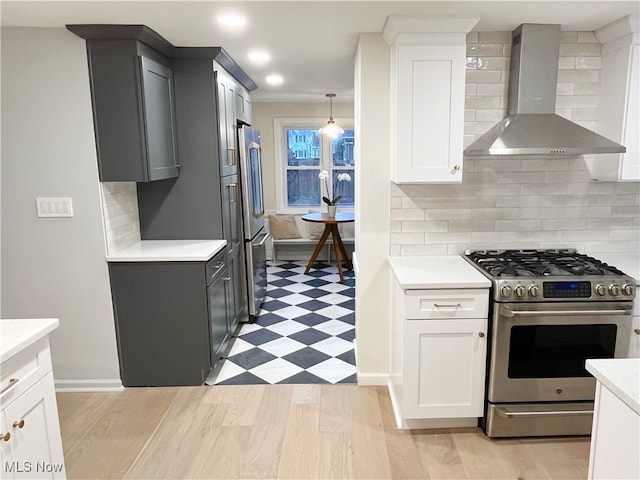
x=539, y=263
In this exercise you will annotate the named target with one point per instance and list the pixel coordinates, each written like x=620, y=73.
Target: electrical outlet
x=54, y=207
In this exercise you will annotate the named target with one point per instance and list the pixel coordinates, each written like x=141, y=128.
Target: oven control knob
x=601, y=290
x=628, y=289
x=534, y=290
x=506, y=291
x=520, y=291
x=614, y=290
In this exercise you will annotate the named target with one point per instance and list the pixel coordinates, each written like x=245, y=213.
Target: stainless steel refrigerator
x=255, y=236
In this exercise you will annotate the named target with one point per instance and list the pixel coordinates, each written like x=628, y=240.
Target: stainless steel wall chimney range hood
x=531, y=126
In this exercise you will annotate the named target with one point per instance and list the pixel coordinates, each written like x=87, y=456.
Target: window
x=303, y=154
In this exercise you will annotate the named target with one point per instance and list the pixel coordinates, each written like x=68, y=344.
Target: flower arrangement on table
x=342, y=177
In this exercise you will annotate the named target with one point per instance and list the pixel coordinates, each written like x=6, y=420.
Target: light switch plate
x=54, y=207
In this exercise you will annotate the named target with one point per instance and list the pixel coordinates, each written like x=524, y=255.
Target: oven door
x=539, y=349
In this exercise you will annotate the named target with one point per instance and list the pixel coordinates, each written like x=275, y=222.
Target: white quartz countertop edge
x=18, y=334
x=621, y=376
x=450, y=271
x=168, y=251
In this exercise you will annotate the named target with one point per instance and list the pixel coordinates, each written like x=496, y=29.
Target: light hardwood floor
x=286, y=431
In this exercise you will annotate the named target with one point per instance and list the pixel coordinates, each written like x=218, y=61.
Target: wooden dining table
x=331, y=228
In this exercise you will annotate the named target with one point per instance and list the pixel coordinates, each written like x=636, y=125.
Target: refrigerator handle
x=262, y=242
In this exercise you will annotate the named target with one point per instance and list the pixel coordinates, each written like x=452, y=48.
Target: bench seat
x=310, y=242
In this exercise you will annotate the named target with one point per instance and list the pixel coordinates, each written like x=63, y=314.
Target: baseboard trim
x=91, y=385
x=372, y=379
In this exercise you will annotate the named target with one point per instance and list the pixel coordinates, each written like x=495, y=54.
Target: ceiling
x=312, y=43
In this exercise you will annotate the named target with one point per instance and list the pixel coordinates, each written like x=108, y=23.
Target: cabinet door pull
x=447, y=305
x=19, y=424
x=637, y=330
x=5, y=436
x=12, y=382
x=481, y=334
x=232, y=156
x=226, y=279
x=233, y=192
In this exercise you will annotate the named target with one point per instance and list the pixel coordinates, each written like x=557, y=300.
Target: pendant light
x=331, y=128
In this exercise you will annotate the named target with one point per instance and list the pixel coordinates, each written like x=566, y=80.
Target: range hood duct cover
x=532, y=127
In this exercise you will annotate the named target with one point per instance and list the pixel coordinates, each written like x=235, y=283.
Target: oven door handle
x=506, y=413
x=506, y=312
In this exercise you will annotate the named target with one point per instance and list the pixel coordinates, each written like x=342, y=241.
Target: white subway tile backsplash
x=426, y=249
x=484, y=49
x=472, y=225
x=520, y=202
x=588, y=63
x=576, y=76
x=564, y=224
x=484, y=76
x=576, y=101
x=120, y=214
x=556, y=212
x=401, y=214
x=424, y=226
x=494, y=37
x=580, y=49
x=614, y=223
x=585, y=235
x=414, y=238
x=517, y=225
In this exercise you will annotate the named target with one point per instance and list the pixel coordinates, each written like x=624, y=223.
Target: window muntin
x=305, y=154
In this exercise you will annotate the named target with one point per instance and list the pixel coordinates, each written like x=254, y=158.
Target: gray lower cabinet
x=172, y=320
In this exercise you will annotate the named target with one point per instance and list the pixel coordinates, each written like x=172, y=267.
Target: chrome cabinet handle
x=12, y=382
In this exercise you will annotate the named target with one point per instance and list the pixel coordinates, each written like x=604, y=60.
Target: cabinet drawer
x=24, y=369
x=215, y=266
x=467, y=303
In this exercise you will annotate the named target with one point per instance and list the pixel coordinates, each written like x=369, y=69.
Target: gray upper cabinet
x=159, y=119
x=132, y=92
x=227, y=122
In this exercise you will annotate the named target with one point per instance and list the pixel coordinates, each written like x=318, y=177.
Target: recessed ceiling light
x=259, y=57
x=274, y=79
x=232, y=20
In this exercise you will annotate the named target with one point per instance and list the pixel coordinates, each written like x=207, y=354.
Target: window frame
x=280, y=124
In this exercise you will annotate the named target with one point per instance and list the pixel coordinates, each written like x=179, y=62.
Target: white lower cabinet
x=438, y=359
x=30, y=441
x=615, y=438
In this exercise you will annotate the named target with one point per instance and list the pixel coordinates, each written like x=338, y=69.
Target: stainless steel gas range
x=550, y=310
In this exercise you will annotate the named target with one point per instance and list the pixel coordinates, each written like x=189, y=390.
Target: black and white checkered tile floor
x=304, y=333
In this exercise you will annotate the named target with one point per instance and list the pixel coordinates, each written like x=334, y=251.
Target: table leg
x=316, y=252
x=336, y=247
x=344, y=252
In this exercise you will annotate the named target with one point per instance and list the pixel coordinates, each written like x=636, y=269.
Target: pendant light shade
x=331, y=128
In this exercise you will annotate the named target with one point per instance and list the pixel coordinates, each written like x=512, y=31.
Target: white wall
x=373, y=172
x=54, y=267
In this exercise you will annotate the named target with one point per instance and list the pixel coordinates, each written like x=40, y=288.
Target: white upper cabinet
x=619, y=107
x=427, y=97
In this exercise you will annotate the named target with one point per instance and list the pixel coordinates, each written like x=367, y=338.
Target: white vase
x=331, y=210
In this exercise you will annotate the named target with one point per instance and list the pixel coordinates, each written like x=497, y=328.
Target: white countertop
x=18, y=334
x=437, y=272
x=628, y=263
x=168, y=251
x=621, y=376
